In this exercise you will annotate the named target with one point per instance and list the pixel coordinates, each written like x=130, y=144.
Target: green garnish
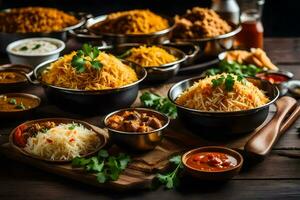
x=12, y=101
x=159, y=103
x=88, y=54
x=24, y=48
x=228, y=81
x=72, y=127
x=125, y=54
x=171, y=180
x=36, y=46
x=106, y=167
x=20, y=106
x=235, y=68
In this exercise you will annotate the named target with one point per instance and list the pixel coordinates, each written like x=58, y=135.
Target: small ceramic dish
x=18, y=105
x=19, y=54
x=213, y=175
x=294, y=88
x=101, y=136
x=140, y=141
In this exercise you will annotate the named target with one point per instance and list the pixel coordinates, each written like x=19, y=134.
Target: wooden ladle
x=261, y=143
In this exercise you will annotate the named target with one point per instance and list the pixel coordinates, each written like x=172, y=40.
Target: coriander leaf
x=80, y=53
x=176, y=160
x=36, y=46
x=20, y=106
x=96, y=64
x=12, y=101
x=95, y=53
x=80, y=162
x=72, y=127
x=103, y=153
x=87, y=49
x=24, y=48
x=217, y=82
x=101, y=177
x=229, y=82
x=78, y=63
x=123, y=160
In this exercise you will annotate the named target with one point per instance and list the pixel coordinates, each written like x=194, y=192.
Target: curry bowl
x=18, y=105
x=212, y=163
x=220, y=124
x=20, y=135
x=154, y=73
x=13, y=78
x=89, y=101
x=112, y=38
x=130, y=137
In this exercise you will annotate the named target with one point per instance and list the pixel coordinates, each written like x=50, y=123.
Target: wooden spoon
x=261, y=143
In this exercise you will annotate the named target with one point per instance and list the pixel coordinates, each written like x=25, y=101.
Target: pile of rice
x=204, y=96
x=63, y=142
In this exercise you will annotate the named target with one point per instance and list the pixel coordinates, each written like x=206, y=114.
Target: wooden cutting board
x=144, y=166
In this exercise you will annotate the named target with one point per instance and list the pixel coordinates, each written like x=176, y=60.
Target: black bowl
x=84, y=101
x=154, y=73
x=217, y=124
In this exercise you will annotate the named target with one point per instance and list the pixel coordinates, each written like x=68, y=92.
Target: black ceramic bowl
x=154, y=73
x=96, y=101
x=223, y=123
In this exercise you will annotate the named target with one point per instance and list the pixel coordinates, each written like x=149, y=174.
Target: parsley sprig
x=106, y=167
x=227, y=81
x=88, y=54
x=159, y=103
x=171, y=180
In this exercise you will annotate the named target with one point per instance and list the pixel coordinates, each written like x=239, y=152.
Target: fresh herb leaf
x=229, y=82
x=78, y=63
x=105, y=166
x=161, y=104
x=12, y=101
x=36, y=46
x=72, y=127
x=171, y=180
x=24, y=48
x=96, y=64
x=20, y=106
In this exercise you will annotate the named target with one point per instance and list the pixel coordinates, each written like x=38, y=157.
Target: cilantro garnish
x=20, y=106
x=12, y=101
x=88, y=54
x=159, y=103
x=36, y=46
x=227, y=81
x=24, y=48
x=106, y=167
x=171, y=180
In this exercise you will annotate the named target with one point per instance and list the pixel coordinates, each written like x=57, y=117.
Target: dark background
x=281, y=18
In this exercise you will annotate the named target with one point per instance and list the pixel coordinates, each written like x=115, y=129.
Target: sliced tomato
x=18, y=136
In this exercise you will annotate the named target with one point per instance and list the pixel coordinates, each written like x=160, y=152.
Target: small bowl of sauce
x=212, y=163
x=17, y=105
x=278, y=78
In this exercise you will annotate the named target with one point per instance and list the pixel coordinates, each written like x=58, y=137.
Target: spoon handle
x=261, y=143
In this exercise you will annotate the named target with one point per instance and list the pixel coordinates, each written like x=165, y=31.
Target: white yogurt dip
x=34, y=47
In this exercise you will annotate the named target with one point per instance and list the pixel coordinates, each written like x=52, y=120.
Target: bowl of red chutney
x=214, y=163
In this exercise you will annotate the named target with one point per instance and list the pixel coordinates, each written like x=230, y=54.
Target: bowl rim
x=226, y=150
x=20, y=94
x=101, y=18
x=165, y=117
x=241, y=112
x=236, y=29
x=36, y=75
x=58, y=43
x=102, y=144
x=163, y=46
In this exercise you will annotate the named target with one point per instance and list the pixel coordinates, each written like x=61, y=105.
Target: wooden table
x=277, y=177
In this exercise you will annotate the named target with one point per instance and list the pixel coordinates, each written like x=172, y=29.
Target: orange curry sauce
x=211, y=161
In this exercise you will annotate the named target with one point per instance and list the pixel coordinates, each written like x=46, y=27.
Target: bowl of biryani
x=161, y=62
x=57, y=139
x=224, y=104
x=133, y=26
x=89, y=80
x=25, y=22
x=206, y=28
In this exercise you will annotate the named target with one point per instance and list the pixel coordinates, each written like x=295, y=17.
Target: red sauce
x=211, y=161
x=273, y=78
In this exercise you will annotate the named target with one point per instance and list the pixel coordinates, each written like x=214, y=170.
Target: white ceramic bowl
x=34, y=59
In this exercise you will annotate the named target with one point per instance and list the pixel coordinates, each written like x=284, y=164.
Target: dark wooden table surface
x=277, y=177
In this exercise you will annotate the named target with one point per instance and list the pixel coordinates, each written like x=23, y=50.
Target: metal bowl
x=83, y=101
x=151, y=38
x=218, y=124
x=154, y=73
x=6, y=38
x=215, y=45
x=136, y=140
